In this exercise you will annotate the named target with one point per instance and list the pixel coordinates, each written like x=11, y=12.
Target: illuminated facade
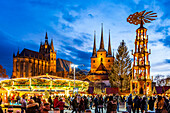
x=30, y=63
x=101, y=61
x=141, y=82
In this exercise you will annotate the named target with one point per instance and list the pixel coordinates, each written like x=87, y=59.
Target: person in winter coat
x=86, y=102
x=143, y=104
x=46, y=107
x=112, y=105
x=118, y=101
x=159, y=105
x=23, y=104
x=75, y=104
x=96, y=103
x=32, y=107
x=50, y=101
x=61, y=106
x=136, y=102
x=81, y=105
x=130, y=103
x=151, y=103
x=91, y=102
x=55, y=102
x=101, y=104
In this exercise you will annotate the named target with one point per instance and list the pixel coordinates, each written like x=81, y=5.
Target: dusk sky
x=71, y=25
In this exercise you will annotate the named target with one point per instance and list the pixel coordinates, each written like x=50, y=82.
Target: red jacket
x=55, y=102
x=61, y=105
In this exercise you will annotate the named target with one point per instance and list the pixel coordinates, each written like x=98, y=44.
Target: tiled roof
x=101, y=68
x=30, y=53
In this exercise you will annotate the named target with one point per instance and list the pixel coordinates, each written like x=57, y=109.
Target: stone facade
x=101, y=61
x=30, y=63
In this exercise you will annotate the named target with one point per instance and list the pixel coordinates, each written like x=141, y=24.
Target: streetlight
x=74, y=66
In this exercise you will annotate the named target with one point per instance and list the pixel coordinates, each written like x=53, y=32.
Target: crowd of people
x=99, y=103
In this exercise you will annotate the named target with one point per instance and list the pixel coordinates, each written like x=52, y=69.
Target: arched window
x=101, y=59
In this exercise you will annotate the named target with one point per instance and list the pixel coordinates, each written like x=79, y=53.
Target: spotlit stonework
x=28, y=63
x=101, y=63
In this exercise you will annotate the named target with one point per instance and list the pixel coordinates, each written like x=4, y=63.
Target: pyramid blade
x=142, y=12
x=152, y=14
x=150, y=19
x=146, y=21
x=147, y=13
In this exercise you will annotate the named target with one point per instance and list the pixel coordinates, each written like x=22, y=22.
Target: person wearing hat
x=112, y=105
x=32, y=107
x=23, y=104
x=61, y=105
x=55, y=102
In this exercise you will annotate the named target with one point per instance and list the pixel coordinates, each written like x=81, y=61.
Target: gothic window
x=93, y=61
x=109, y=60
x=101, y=59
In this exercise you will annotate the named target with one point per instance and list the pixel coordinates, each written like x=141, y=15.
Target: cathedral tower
x=101, y=60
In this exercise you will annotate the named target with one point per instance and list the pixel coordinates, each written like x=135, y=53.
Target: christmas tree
x=121, y=70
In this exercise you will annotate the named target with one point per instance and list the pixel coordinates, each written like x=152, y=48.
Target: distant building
x=3, y=72
x=30, y=63
x=63, y=67
x=167, y=81
x=101, y=61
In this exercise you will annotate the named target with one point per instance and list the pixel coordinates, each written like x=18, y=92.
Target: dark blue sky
x=71, y=23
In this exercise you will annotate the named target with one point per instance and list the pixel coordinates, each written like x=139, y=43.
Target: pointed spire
x=52, y=46
x=113, y=53
x=102, y=41
x=94, y=46
x=13, y=54
x=18, y=52
x=109, y=46
x=46, y=38
x=40, y=46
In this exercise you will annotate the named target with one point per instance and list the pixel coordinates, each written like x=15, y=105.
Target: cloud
x=90, y=15
x=167, y=60
x=166, y=41
x=71, y=25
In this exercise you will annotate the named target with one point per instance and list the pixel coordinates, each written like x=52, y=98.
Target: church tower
x=48, y=51
x=101, y=60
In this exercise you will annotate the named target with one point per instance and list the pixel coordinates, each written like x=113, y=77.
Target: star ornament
x=141, y=17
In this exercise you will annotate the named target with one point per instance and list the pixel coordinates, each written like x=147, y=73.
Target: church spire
x=52, y=46
x=109, y=46
x=46, y=38
x=102, y=41
x=94, y=46
x=18, y=52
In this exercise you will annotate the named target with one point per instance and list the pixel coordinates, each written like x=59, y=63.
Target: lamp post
x=74, y=66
